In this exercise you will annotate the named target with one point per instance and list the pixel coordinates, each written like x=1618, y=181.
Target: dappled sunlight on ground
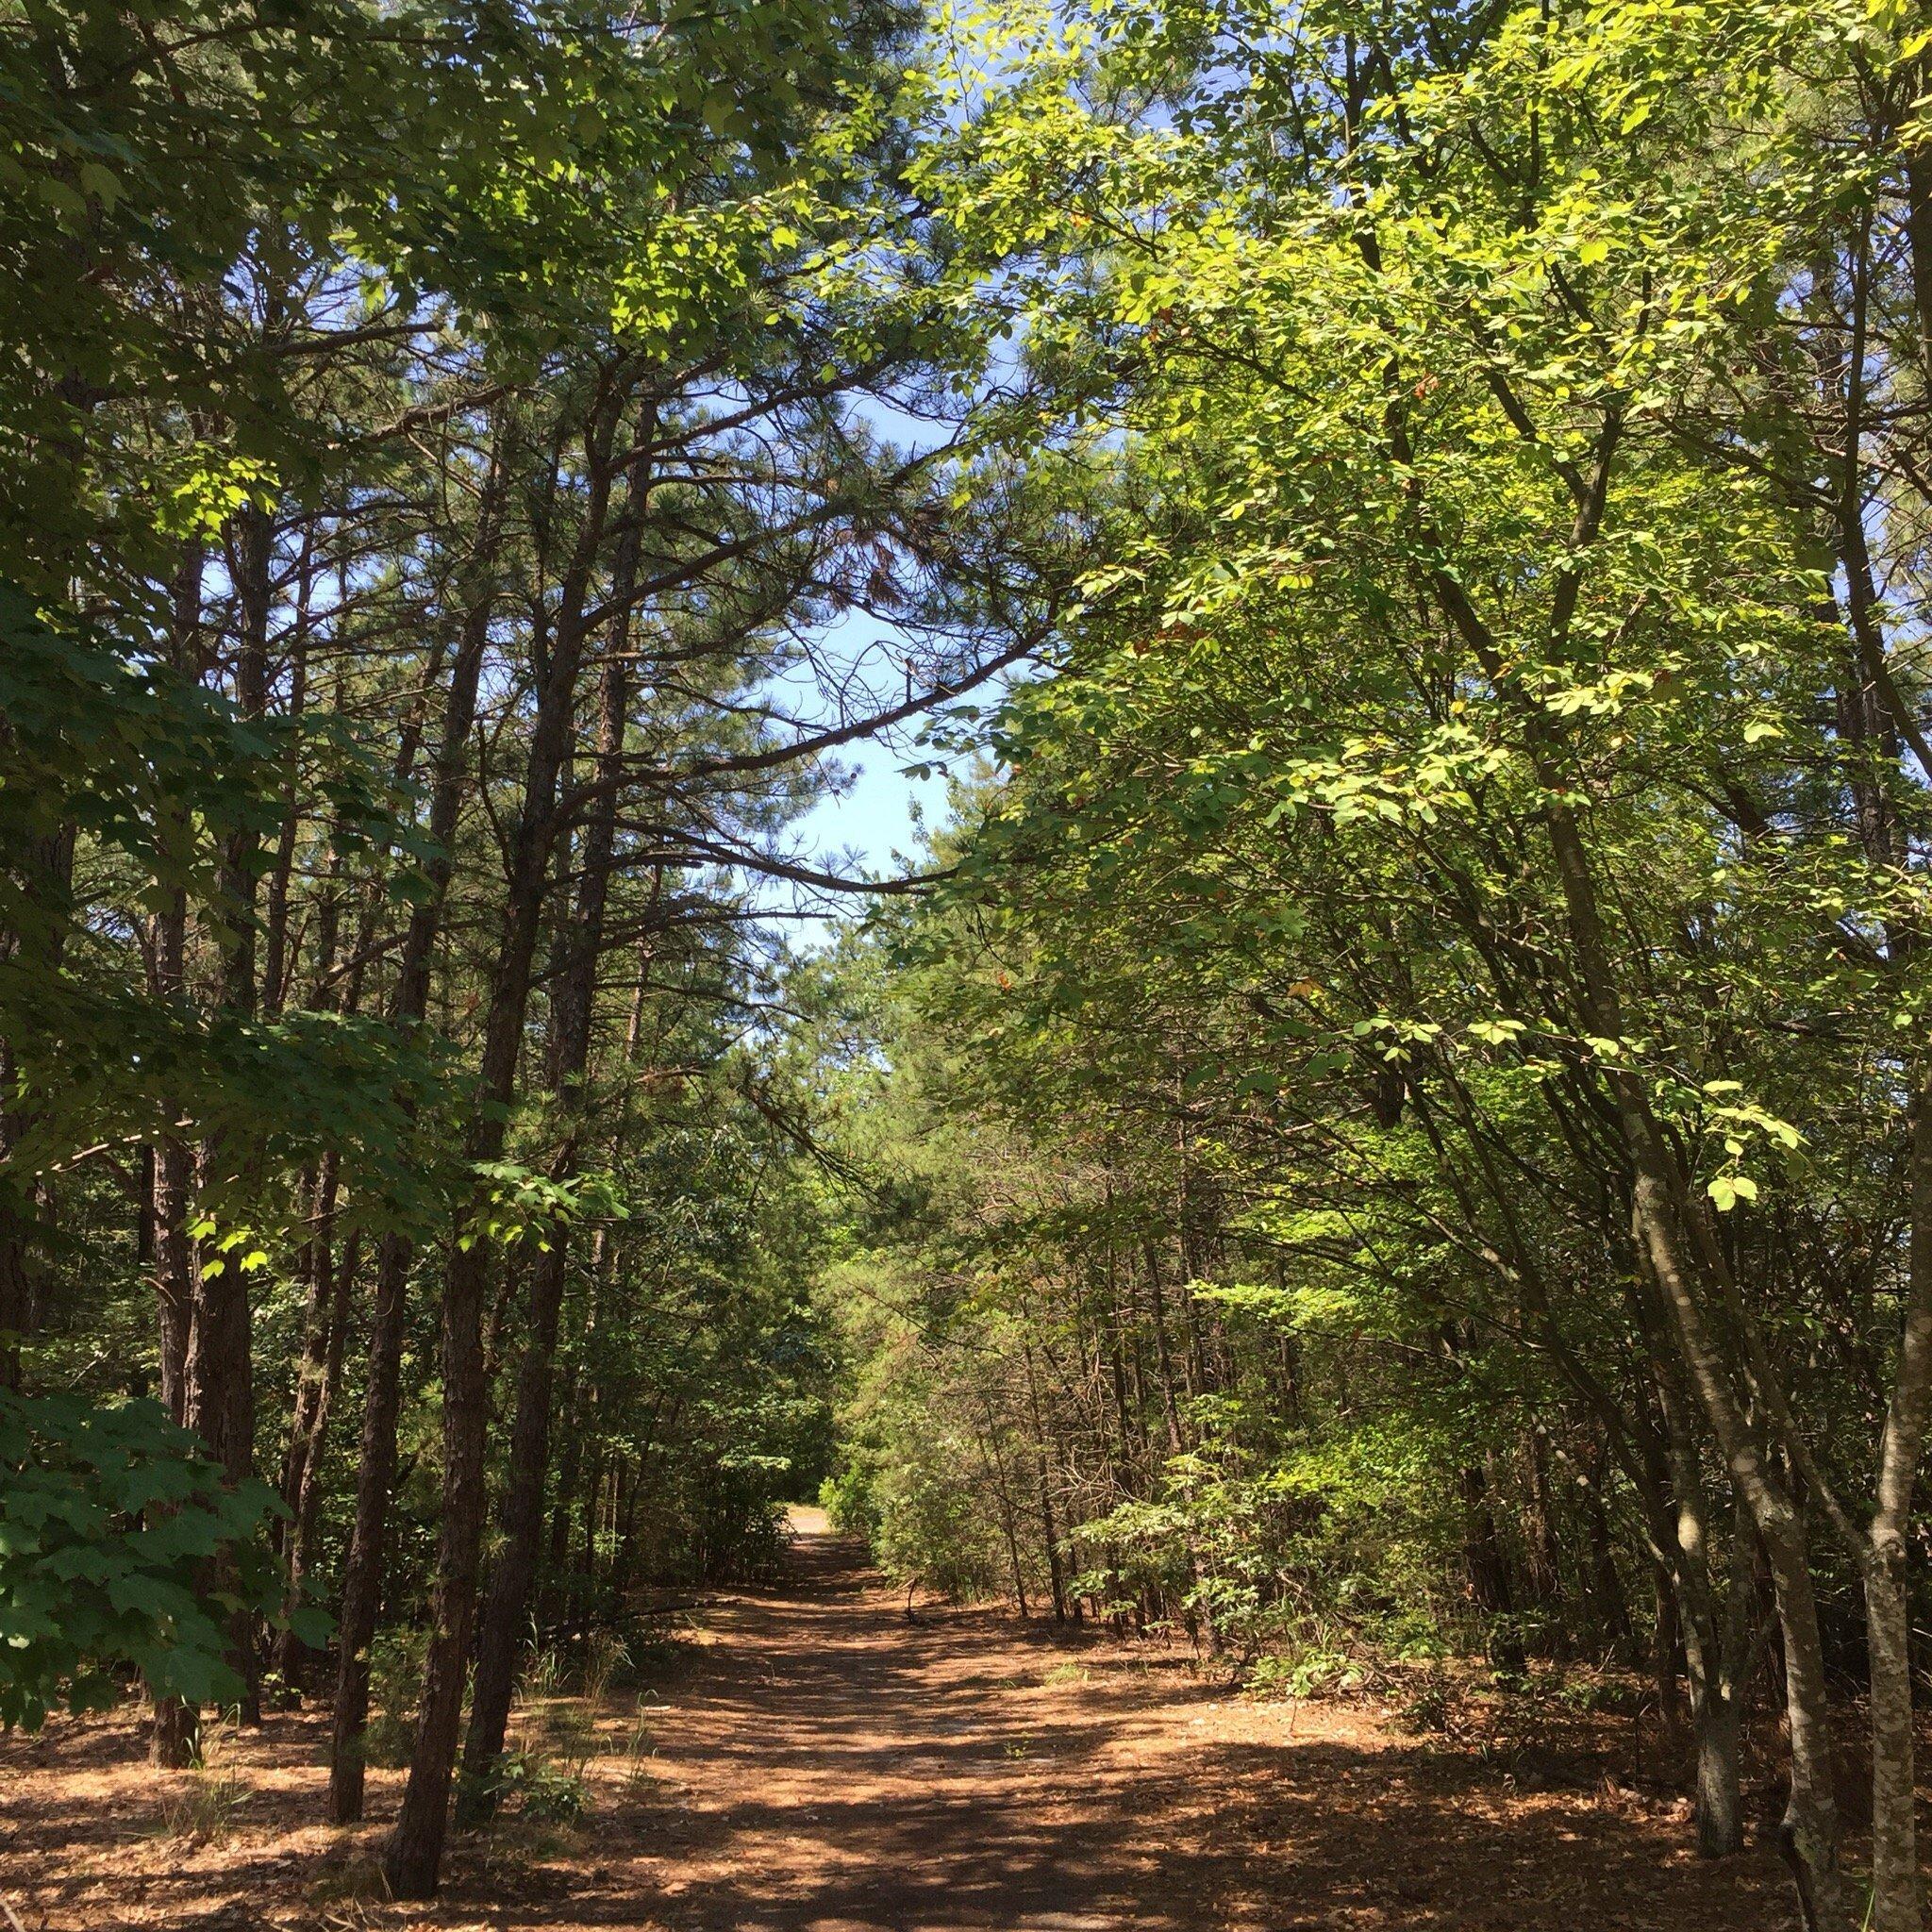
x=820, y=1764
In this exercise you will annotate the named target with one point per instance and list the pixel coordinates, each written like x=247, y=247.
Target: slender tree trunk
x=291, y=1657
x=318, y=1260
x=1895, y=1905
x=413, y=1861
x=1611, y=1610
x=1051, y=1542
x=173, y=1729
x=1049, y=1534
x=1720, y=1794
x=1895, y=1889
x=1716, y=1640
x=1013, y=1558
x=275, y=959
x=377, y=1465
x=1488, y=1573
x=583, y=1582
x=1810, y=1831
x=1004, y=1494
x=362, y=1574
x=1664, y=1641
x=572, y=998
x=1669, y=1246
x=1808, y=1835
x=1161, y=1353
x=1718, y=1651
x=556, y=1559
x=221, y=1367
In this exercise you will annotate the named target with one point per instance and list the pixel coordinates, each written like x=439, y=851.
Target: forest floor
x=813, y=1763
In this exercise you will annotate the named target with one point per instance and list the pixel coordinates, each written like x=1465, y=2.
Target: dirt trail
x=836, y=1770
x=820, y=1765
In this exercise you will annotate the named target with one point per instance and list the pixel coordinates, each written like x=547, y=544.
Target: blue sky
x=869, y=825
x=874, y=819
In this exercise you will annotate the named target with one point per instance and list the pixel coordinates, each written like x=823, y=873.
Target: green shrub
x=395, y=1687
x=109, y=1521
x=1430, y=1705
x=1302, y=1673
x=847, y=1500
x=544, y=1789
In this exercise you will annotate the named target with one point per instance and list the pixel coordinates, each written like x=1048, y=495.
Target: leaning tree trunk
x=1810, y=1835
x=1669, y=1247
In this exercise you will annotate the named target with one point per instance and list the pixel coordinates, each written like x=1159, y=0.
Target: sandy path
x=820, y=1765
x=834, y=1768
x=829, y=1768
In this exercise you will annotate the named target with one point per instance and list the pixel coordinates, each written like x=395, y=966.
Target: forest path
x=834, y=1768
x=812, y=1762
x=829, y=1767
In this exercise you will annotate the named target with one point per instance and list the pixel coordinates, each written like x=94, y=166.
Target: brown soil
x=819, y=1764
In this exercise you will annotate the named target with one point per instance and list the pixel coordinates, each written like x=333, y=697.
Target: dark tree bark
x=220, y=1406
x=572, y=996
x=49, y=880
x=332, y=1285
x=172, y=1734
x=375, y=1472
x=362, y=1574
x=1489, y=1570
x=412, y=1860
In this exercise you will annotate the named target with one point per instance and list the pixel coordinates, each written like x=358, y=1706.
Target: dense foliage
x=1399, y=1122
x=1426, y=1027
x=443, y=444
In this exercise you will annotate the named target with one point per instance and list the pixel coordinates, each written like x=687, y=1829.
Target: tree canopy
x=1390, y=1122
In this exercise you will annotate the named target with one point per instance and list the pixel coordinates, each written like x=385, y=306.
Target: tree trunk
x=413, y=1861
x=1664, y=1641
x=1808, y=1834
x=221, y=1363
x=1488, y=1573
x=513, y=1568
x=1611, y=1612
x=376, y=1467
x=317, y=1257
x=1670, y=1248
x=172, y=1733
x=1895, y=1893
x=1895, y=1905
x=1162, y=1354
x=572, y=998
x=292, y=1656
x=1050, y=1537
x=362, y=1574
x=1720, y=1794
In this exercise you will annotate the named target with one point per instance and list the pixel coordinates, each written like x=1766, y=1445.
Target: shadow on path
x=819, y=1764
x=829, y=1767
